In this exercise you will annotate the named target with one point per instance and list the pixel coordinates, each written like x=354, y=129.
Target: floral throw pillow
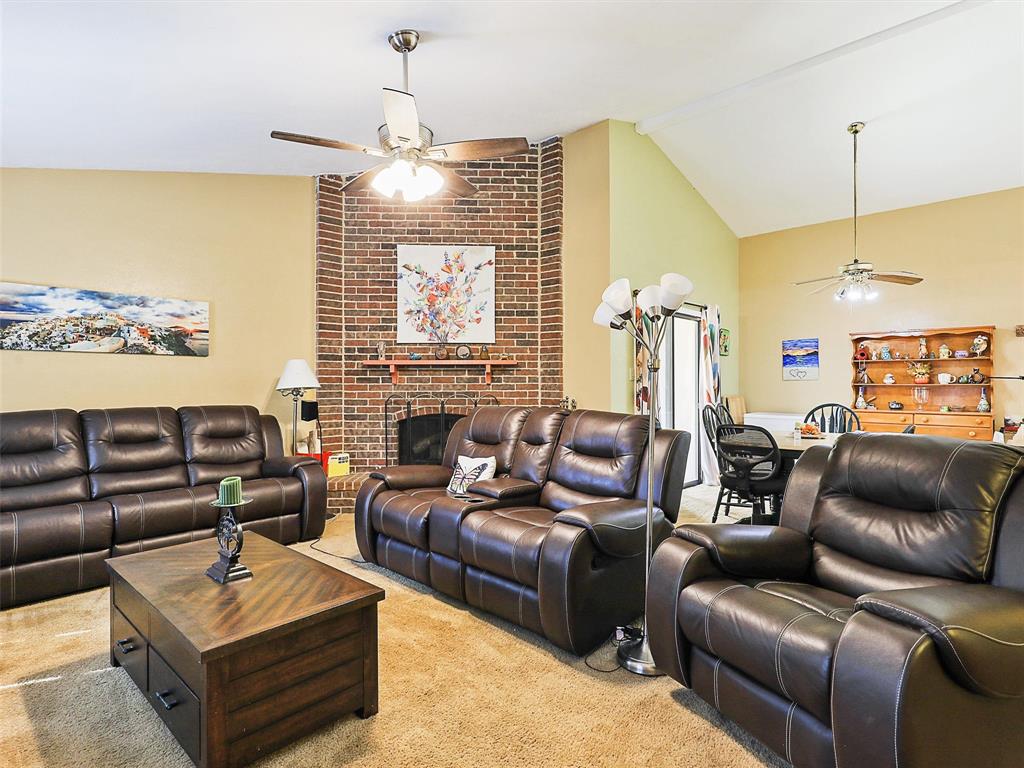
x=469, y=470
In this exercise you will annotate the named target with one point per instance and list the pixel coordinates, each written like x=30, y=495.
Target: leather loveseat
x=555, y=541
x=881, y=624
x=77, y=488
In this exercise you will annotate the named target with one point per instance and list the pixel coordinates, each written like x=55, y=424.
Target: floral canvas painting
x=44, y=318
x=445, y=294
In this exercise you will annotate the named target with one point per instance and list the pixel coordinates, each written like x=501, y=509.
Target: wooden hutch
x=952, y=409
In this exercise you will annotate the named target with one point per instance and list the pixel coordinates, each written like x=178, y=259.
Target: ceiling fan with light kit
x=854, y=280
x=412, y=164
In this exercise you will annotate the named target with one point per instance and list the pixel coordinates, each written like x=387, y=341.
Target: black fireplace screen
x=417, y=424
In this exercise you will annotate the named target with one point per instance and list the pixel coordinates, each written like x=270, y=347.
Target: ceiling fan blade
x=478, y=149
x=903, y=278
x=363, y=180
x=316, y=141
x=818, y=280
x=453, y=182
x=401, y=116
x=835, y=281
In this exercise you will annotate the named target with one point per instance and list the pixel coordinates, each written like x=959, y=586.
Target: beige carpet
x=457, y=688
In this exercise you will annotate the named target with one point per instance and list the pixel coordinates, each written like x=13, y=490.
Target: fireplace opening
x=416, y=425
x=421, y=438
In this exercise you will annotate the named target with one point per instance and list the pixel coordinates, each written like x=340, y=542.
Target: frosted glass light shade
x=607, y=317
x=675, y=289
x=619, y=296
x=297, y=375
x=649, y=300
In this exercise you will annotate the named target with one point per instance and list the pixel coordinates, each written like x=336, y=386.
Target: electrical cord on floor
x=313, y=546
x=620, y=635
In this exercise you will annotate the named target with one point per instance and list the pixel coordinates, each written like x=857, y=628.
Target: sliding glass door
x=680, y=398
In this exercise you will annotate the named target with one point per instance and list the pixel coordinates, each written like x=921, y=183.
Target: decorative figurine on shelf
x=945, y=352
x=485, y=352
x=984, y=406
x=861, y=402
x=463, y=352
x=895, y=405
x=944, y=409
x=977, y=377
x=862, y=352
x=979, y=345
x=229, y=533
x=441, y=352
x=889, y=379
x=965, y=379
x=897, y=355
x=568, y=403
x=874, y=354
x=862, y=375
x=921, y=371
x=922, y=348
x=381, y=350
x=886, y=353
x=415, y=356
x=961, y=354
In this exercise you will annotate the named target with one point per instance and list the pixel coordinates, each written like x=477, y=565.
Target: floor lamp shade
x=297, y=375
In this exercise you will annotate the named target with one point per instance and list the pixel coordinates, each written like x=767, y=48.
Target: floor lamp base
x=635, y=656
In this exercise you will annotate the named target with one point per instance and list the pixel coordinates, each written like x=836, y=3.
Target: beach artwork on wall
x=445, y=294
x=800, y=360
x=48, y=319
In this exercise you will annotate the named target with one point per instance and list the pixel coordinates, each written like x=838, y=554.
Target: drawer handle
x=125, y=646
x=162, y=697
x=972, y=433
x=924, y=420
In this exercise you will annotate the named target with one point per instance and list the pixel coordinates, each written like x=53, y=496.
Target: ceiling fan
x=412, y=164
x=854, y=279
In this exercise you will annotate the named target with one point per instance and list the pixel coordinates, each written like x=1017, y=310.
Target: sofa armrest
x=978, y=630
x=752, y=551
x=505, y=488
x=285, y=466
x=407, y=476
x=616, y=526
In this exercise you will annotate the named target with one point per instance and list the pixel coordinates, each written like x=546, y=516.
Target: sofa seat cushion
x=46, y=533
x=271, y=497
x=784, y=639
x=402, y=515
x=506, y=542
x=139, y=516
x=833, y=605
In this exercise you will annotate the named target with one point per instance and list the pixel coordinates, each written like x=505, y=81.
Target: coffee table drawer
x=175, y=703
x=128, y=648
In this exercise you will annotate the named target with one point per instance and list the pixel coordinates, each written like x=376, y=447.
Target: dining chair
x=909, y=430
x=752, y=465
x=724, y=414
x=833, y=418
x=711, y=419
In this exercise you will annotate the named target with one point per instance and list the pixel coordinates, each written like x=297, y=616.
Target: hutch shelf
x=951, y=409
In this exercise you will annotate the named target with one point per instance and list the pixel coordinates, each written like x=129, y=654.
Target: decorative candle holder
x=229, y=533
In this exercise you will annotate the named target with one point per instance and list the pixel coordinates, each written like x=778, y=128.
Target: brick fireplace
x=519, y=211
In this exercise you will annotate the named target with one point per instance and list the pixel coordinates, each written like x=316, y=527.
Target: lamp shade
x=619, y=297
x=297, y=375
x=675, y=289
x=649, y=300
x=607, y=317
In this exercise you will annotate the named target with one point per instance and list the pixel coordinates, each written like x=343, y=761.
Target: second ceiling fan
x=413, y=162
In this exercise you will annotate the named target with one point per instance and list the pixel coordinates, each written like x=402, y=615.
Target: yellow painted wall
x=970, y=252
x=243, y=243
x=585, y=265
x=660, y=223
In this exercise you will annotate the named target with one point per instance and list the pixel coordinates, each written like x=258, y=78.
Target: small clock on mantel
x=463, y=352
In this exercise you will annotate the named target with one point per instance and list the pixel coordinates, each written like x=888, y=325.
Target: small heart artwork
x=798, y=374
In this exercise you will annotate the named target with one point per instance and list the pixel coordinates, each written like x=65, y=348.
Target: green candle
x=229, y=494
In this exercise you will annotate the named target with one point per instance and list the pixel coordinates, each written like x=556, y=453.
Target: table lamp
x=295, y=379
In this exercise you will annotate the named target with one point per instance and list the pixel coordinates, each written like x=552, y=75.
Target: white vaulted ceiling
x=198, y=87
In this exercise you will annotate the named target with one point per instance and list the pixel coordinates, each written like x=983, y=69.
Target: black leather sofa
x=881, y=624
x=77, y=488
x=555, y=541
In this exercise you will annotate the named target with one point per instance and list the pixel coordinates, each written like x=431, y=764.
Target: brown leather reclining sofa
x=554, y=542
x=77, y=488
x=881, y=624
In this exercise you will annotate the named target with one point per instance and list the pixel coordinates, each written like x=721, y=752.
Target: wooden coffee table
x=238, y=670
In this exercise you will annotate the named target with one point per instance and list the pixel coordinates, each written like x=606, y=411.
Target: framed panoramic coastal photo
x=445, y=294
x=800, y=360
x=41, y=318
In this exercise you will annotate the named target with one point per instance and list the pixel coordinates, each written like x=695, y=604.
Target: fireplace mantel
x=394, y=365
